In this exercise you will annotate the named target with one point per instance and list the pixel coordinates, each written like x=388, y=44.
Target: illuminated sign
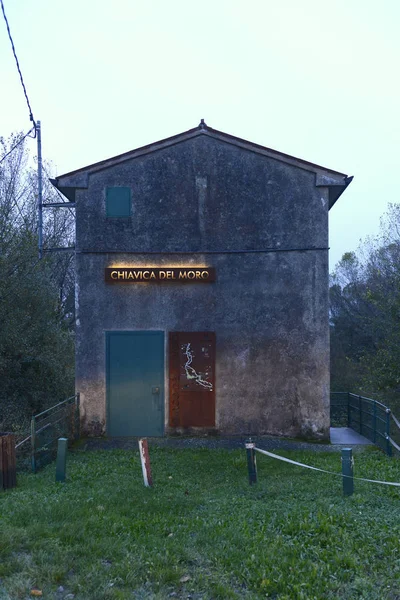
x=148, y=275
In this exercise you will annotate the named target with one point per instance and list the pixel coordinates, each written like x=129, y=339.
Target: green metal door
x=135, y=383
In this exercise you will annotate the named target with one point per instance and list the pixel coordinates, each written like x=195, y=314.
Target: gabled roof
x=334, y=180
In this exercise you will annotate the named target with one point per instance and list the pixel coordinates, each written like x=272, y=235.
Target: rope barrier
x=298, y=464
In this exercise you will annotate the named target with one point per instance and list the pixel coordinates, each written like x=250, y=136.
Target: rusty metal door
x=192, y=379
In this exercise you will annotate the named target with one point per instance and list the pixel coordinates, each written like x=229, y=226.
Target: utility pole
x=40, y=188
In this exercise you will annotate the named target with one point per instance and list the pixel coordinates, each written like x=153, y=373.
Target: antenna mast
x=40, y=188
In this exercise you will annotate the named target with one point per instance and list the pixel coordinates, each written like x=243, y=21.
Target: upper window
x=118, y=202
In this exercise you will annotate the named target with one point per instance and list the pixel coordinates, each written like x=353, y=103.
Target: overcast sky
x=318, y=79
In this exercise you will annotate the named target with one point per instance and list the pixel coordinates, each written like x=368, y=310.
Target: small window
x=118, y=202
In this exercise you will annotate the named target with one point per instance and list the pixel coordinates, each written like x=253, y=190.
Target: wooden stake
x=145, y=460
x=8, y=466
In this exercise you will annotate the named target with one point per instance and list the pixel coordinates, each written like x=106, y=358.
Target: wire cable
x=18, y=67
x=17, y=144
x=58, y=193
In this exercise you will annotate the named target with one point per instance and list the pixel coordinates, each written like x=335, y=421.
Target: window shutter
x=118, y=202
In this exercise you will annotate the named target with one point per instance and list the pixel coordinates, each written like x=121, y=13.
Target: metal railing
x=368, y=417
x=339, y=409
x=23, y=450
x=61, y=420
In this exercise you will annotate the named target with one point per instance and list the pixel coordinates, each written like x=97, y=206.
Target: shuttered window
x=118, y=202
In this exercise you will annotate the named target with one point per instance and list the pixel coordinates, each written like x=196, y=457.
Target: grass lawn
x=202, y=532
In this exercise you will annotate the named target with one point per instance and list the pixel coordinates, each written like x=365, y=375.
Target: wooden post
x=61, y=465
x=33, y=444
x=347, y=471
x=8, y=464
x=251, y=461
x=145, y=461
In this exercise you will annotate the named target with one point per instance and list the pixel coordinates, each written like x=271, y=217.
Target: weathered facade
x=202, y=289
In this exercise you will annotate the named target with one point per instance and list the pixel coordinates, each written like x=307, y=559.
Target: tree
x=36, y=316
x=365, y=315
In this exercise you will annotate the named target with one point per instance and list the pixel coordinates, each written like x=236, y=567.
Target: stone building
x=202, y=289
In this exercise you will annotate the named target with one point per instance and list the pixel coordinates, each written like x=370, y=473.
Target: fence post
x=347, y=471
x=145, y=462
x=251, y=461
x=360, y=411
x=12, y=461
x=348, y=410
x=389, y=450
x=33, y=444
x=61, y=465
x=8, y=467
x=374, y=424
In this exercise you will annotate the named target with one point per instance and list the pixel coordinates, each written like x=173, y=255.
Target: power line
x=18, y=67
x=17, y=144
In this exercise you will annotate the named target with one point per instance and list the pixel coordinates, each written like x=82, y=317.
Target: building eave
x=334, y=180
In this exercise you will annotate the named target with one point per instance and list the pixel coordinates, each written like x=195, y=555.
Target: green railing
x=368, y=417
x=23, y=450
x=61, y=420
x=339, y=409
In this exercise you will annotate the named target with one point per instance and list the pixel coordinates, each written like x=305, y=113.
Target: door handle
x=155, y=389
